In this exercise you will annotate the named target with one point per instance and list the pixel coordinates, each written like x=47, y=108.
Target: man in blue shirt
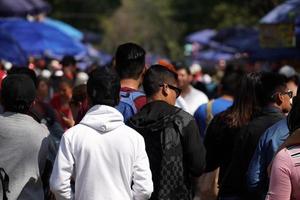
x=270, y=141
x=228, y=87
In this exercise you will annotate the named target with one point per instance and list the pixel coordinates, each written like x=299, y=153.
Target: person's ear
x=279, y=98
x=165, y=90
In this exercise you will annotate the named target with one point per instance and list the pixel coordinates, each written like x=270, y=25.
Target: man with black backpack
x=173, y=143
x=130, y=65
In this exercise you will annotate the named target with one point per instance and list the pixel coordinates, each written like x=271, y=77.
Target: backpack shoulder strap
x=5, y=183
x=209, y=115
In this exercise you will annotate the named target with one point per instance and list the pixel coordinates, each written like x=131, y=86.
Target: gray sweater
x=23, y=152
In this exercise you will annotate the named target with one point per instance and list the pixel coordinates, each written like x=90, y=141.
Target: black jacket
x=174, y=148
x=234, y=182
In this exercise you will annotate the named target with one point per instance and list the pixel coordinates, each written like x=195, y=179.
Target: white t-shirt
x=194, y=99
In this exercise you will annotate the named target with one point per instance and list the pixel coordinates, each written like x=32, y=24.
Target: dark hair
x=41, y=79
x=68, y=60
x=180, y=66
x=79, y=94
x=130, y=60
x=246, y=103
x=230, y=82
x=18, y=92
x=68, y=82
x=103, y=87
x=156, y=75
x=293, y=118
x=271, y=84
x=294, y=78
x=26, y=71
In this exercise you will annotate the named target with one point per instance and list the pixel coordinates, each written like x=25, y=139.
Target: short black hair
x=68, y=60
x=18, y=92
x=230, y=82
x=130, y=60
x=271, y=83
x=103, y=87
x=180, y=66
x=26, y=71
x=155, y=76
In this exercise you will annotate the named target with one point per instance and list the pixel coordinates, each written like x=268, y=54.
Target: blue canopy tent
x=21, y=8
x=284, y=13
x=38, y=39
x=202, y=37
x=11, y=51
x=64, y=27
x=214, y=55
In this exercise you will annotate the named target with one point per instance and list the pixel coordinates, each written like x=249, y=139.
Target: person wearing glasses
x=269, y=142
x=274, y=97
x=173, y=144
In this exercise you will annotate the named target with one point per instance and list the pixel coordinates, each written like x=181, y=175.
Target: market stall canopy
x=11, y=51
x=22, y=8
x=202, y=37
x=284, y=13
x=64, y=27
x=38, y=39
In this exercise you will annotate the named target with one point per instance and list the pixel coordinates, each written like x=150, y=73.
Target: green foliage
x=158, y=25
x=83, y=14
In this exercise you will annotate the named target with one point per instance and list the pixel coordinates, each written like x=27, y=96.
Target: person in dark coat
x=173, y=144
x=274, y=96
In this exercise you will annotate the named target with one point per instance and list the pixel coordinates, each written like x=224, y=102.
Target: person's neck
x=130, y=83
x=274, y=105
x=186, y=90
x=227, y=97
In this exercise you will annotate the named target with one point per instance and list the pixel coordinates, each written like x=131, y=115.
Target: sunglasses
x=289, y=93
x=176, y=89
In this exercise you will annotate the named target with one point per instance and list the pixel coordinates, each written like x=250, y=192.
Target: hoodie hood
x=154, y=116
x=103, y=118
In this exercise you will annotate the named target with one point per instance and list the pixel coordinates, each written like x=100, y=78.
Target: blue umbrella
x=284, y=13
x=214, y=55
x=64, y=27
x=38, y=39
x=202, y=37
x=11, y=51
x=9, y=8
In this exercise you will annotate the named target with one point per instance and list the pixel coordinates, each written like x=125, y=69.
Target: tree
x=146, y=22
x=85, y=15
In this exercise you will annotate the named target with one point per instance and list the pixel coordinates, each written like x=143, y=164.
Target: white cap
x=81, y=78
x=195, y=67
x=287, y=71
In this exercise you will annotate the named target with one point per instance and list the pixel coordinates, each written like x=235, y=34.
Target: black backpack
x=166, y=161
x=5, y=182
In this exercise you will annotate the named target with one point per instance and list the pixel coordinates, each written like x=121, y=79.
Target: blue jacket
x=270, y=141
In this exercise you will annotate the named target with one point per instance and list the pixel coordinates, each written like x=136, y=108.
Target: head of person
x=130, y=61
x=230, y=83
x=25, y=71
x=246, y=103
x=103, y=87
x=292, y=78
x=18, y=93
x=274, y=91
x=160, y=83
x=79, y=99
x=293, y=118
x=69, y=66
x=65, y=89
x=42, y=88
x=184, y=76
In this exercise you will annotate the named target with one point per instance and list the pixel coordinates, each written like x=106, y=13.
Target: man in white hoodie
x=106, y=158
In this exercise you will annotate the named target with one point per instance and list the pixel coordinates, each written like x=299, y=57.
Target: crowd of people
x=131, y=131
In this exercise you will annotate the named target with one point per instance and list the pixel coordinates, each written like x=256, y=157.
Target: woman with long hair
x=224, y=128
